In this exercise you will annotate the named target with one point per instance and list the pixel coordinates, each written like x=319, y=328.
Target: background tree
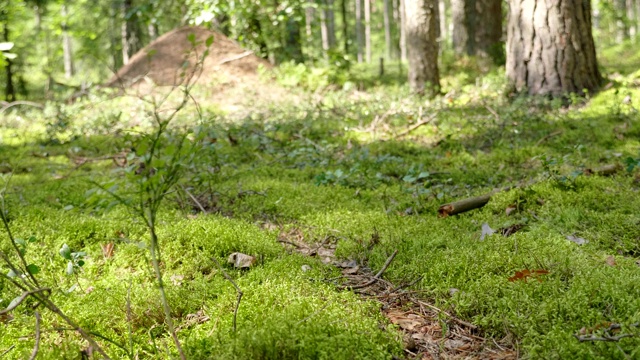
x=477, y=28
x=422, y=46
x=550, y=48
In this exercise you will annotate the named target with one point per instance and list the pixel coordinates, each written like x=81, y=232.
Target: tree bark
x=403, y=33
x=550, y=49
x=442, y=14
x=130, y=32
x=367, y=28
x=345, y=25
x=477, y=27
x=387, y=28
x=359, y=29
x=66, y=45
x=308, y=19
x=631, y=18
x=622, y=23
x=327, y=26
x=293, y=44
x=9, y=90
x=422, y=46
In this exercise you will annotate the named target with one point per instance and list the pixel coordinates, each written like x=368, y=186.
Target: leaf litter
x=428, y=332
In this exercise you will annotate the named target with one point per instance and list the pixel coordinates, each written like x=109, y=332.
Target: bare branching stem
x=238, y=291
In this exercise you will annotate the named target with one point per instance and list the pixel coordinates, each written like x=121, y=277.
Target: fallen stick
x=459, y=321
x=237, y=57
x=376, y=277
x=465, y=205
x=606, y=170
x=417, y=125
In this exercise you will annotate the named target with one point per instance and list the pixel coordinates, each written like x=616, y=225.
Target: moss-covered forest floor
x=351, y=178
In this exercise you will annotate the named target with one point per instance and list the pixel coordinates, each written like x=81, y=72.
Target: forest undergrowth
x=548, y=268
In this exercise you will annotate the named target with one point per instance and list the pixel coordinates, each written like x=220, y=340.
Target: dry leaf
x=177, y=279
x=453, y=291
x=486, y=230
x=510, y=209
x=306, y=268
x=351, y=271
x=610, y=260
x=526, y=273
x=407, y=322
x=452, y=344
x=240, y=260
x=577, y=240
x=107, y=250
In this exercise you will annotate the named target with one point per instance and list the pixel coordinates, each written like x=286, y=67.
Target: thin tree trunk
x=387, y=28
x=9, y=90
x=422, y=46
x=345, y=25
x=116, y=55
x=550, y=48
x=308, y=20
x=631, y=18
x=596, y=14
x=130, y=32
x=324, y=30
x=293, y=45
x=359, y=29
x=66, y=45
x=442, y=12
x=403, y=32
x=622, y=23
x=367, y=28
x=331, y=24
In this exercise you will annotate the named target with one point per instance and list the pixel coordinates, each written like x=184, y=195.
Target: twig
x=314, y=313
x=406, y=285
x=237, y=57
x=16, y=103
x=376, y=276
x=290, y=243
x=417, y=125
x=36, y=347
x=548, y=136
x=7, y=351
x=603, y=338
x=239, y=298
x=461, y=322
x=14, y=304
x=194, y=200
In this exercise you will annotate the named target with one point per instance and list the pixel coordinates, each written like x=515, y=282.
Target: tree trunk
x=331, y=24
x=130, y=32
x=442, y=12
x=345, y=25
x=632, y=19
x=9, y=90
x=477, y=27
x=422, y=46
x=308, y=19
x=550, y=49
x=359, y=29
x=387, y=28
x=66, y=45
x=367, y=28
x=293, y=45
x=403, y=32
x=622, y=23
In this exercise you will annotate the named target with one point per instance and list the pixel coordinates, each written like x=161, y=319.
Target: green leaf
x=33, y=269
x=14, y=302
x=6, y=46
x=209, y=41
x=32, y=239
x=65, y=252
x=68, y=207
x=192, y=38
x=10, y=56
x=21, y=242
x=69, y=268
x=80, y=263
x=12, y=274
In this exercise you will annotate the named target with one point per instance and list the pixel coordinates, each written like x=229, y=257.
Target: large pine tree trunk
x=422, y=45
x=477, y=27
x=550, y=49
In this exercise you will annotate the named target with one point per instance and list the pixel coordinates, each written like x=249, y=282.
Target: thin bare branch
x=238, y=290
x=376, y=277
x=14, y=304
x=36, y=347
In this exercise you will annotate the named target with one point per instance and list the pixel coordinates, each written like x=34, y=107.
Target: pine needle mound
x=163, y=61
